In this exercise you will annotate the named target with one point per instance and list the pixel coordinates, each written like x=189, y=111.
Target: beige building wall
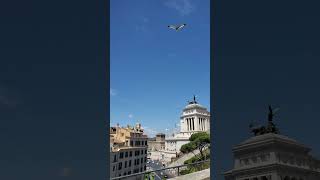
x=128, y=153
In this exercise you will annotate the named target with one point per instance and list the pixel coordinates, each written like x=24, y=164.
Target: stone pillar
x=202, y=124
x=273, y=176
x=182, y=125
x=196, y=124
x=206, y=124
x=199, y=127
x=186, y=124
x=187, y=119
x=193, y=123
x=202, y=121
x=191, y=119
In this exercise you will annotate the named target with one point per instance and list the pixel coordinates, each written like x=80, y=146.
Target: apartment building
x=157, y=143
x=128, y=151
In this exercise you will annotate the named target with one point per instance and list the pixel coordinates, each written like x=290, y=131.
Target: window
x=125, y=164
x=145, y=167
x=141, y=169
x=138, y=162
x=146, y=143
x=145, y=151
x=145, y=159
x=131, y=143
x=126, y=154
x=137, y=153
x=141, y=160
x=130, y=153
x=124, y=173
x=120, y=166
x=135, y=162
x=129, y=172
x=142, y=143
x=141, y=152
x=114, y=168
x=121, y=155
x=129, y=163
x=114, y=158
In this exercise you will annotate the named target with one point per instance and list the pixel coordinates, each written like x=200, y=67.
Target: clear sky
x=155, y=70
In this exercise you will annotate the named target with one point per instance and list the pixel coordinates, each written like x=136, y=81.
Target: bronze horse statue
x=270, y=128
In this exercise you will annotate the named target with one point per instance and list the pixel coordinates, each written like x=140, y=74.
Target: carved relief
x=254, y=159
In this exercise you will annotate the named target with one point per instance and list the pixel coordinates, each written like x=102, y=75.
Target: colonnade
x=197, y=124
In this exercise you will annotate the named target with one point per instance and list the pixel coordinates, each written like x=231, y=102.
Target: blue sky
x=155, y=70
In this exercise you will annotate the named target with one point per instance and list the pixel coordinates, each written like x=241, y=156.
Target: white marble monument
x=271, y=156
x=194, y=118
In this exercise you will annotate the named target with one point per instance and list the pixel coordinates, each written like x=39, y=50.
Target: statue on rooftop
x=194, y=100
x=270, y=128
x=271, y=113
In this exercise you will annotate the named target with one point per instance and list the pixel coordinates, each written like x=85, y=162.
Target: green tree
x=198, y=141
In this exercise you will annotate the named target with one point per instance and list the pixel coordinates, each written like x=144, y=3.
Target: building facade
x=128, y=151
x=271, y=156
x=194, y=118
x=157, y=143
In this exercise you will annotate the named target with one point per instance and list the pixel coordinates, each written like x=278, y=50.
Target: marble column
x=187, y=124
x=193, y=123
